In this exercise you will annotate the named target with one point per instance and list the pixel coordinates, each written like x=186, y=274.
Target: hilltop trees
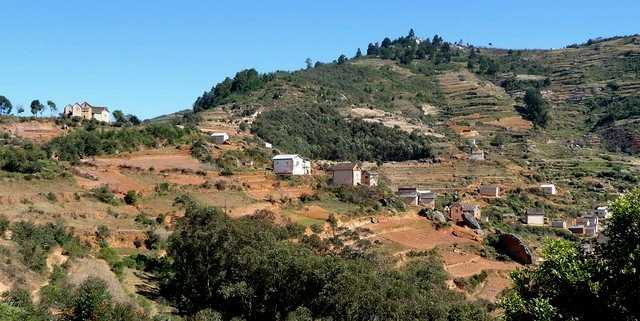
x=52, y=106
x=36, y=107
x=5, y=105
x=243, y=82
x=125, y=120
x=406, y=49
x=536, y=108
x=573, y=285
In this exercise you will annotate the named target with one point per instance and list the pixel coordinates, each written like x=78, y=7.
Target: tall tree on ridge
x=5, y=105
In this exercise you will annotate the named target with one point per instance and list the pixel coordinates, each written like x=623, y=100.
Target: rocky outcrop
x=471, y=221
x=515, y=248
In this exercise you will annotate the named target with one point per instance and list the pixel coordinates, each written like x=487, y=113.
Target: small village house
x=369, y=178
x=293, y=164
x=603, y=212
x=471, y=209
x=477, y=155
x=268, y=145
x=588, y=221
x=577, y=229
x=85, y=111
x=549, y=189
x=408, y=194
x=348, y=174
x=558, y=223
x=457, y=210
x=427, y=199
x=219, y=138
x=535, y=216
x=489, y=190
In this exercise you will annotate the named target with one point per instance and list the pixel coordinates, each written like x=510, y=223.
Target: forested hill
x=413, y=87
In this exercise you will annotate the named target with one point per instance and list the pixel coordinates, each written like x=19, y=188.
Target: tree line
x=6, y=107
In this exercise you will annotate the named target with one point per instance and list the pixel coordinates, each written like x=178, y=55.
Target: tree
x=133, y=120
x=92, y=301
x=358, y=53
x=36, y=107
x=386, y=43
x=536, y=108
x=5, y=105
x=373, y=49
x=119, y=116
x=52, y=106
x=20, y=109
x=573, y=285
x=412, y=34
x=309, y=63
x=342, y=59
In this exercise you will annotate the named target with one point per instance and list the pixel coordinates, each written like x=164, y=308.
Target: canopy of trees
x=247, y=268
x=574, y=285
x=536, y=108
x=322, y=133
x=243, y=82
x=405, y=49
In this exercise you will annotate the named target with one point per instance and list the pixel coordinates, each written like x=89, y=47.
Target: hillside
x=182, y=225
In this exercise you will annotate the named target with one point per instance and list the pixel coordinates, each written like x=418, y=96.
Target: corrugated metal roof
x=286, y=156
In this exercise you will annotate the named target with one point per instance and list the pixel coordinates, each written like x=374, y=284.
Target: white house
x=219, y=138
x=291, y=165
x=548, y=189
x=268, y=145
x=603, y=212
x=477, y=155
x=427, y=199
x=84, y=110
x=535, y=216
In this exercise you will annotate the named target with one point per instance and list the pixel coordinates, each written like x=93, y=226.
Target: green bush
x=131, y=198
x=35, y=241
x=105, y=195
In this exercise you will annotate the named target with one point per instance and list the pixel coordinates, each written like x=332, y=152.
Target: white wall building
x=85, y=111
x=549, y=189
x=535, y=216
x=219, y=138
x=291, y=165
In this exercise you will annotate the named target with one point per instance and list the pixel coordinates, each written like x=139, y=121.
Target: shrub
x=104, y=195
x=131, y=198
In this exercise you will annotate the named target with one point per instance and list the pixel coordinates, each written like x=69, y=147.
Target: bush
x=104, y=195
x=131, y=198
x=35, y=241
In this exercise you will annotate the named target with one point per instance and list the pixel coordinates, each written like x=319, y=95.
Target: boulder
x=438, y=217
x=515, y=248
x=471, y=221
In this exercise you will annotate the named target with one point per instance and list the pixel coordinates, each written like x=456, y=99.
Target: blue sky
x=155, y=57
